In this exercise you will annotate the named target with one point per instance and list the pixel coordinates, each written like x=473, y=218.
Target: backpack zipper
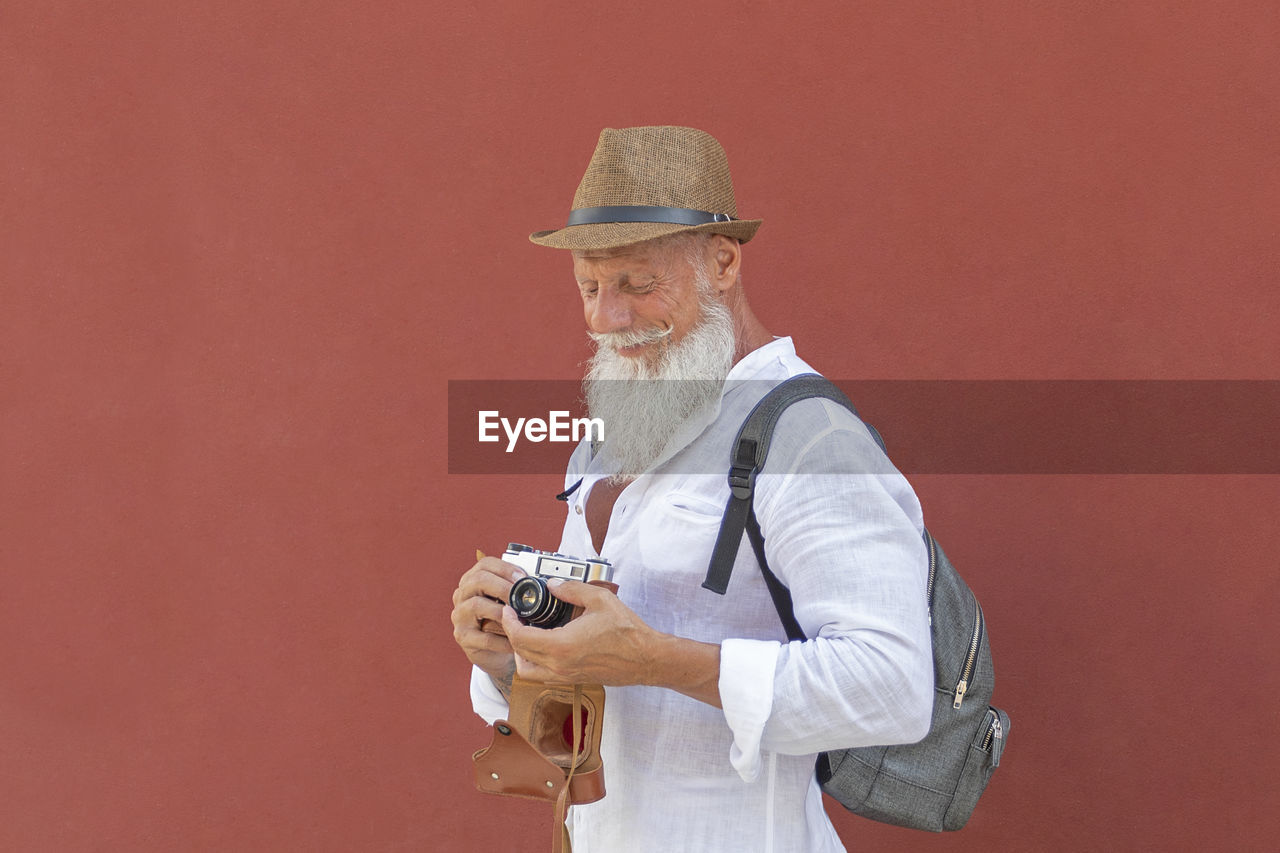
x=971, y=660
x=933, y=574
x=995, y=732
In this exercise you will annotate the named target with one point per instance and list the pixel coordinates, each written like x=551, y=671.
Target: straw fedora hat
x=648, y=182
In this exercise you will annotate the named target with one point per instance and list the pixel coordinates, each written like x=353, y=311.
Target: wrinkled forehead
x=625, y=261
x=635, y=250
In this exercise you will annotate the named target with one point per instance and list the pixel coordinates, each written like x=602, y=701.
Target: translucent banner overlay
x=938, y=426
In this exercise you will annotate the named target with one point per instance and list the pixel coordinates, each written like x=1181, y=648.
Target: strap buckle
x=742, y=481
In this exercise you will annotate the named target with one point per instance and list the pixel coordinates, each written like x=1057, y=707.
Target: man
x=712, y=721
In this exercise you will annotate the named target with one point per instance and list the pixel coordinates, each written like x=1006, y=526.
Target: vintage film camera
x=531, y=599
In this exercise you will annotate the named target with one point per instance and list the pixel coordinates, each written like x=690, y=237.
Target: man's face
x=645, y=296
x=664, y=345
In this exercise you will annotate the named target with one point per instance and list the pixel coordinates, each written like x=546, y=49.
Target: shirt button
x=577, y=508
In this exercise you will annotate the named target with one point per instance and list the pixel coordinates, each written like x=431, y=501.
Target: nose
x=609, y=311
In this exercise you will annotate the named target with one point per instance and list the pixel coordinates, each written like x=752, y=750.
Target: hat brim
x=611, y=235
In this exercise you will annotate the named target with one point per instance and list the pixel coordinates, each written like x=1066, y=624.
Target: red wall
x=243, y=247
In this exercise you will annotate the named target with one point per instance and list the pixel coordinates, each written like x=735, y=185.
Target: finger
x=473, y=638
x=486, y=642
x=532, y=642
x=476, y=614
x=490, y=577
x=530, y=671
x=509, y=571
x=544, y=647
x=575, y=592
x=486, y=609
x=511, y=624
x=491, y=566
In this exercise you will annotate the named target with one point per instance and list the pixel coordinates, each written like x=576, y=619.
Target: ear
x=728, y=259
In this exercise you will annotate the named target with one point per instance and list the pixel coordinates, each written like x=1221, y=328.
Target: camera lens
x=535, y=605
x=528, y=600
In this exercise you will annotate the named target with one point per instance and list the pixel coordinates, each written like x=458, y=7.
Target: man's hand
x=609, y=644
x=477, y=618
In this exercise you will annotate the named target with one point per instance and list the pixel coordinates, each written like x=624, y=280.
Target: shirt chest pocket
x=676, y=538
x=695, y=509
x=677, y=535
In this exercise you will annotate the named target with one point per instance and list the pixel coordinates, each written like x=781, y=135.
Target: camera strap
x=560, y=830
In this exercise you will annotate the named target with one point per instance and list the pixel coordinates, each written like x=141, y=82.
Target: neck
x=749, y=331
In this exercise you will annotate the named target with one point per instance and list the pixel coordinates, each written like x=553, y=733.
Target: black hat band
x=644, y=213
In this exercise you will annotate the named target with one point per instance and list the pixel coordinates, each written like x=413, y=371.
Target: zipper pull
x=960, y=691
x=997, y=739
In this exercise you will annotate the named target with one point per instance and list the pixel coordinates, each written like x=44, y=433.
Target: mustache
x=629, y=337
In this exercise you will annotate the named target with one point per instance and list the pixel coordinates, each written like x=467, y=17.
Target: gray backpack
x=934, y=784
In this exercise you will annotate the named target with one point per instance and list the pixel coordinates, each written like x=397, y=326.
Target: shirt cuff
x=486, y=699
x=746, y=695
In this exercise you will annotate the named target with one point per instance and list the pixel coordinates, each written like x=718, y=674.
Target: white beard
x=643, y=405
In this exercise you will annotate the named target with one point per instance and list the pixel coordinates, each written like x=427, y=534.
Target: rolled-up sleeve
x=747, y=669
x=486, y=699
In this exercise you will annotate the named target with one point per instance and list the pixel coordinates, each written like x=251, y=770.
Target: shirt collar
x=758, y=360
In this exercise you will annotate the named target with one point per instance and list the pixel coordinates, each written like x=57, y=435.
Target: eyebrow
x=623, y=279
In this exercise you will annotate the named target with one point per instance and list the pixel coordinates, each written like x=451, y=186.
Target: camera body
x=531, y=599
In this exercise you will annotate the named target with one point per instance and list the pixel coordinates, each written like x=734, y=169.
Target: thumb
x=573, y=592
x=511, y=624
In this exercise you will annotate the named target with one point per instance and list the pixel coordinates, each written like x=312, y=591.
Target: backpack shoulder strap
x=750, y=449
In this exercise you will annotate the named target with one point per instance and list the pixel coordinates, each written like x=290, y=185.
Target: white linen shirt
x=843, y=530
